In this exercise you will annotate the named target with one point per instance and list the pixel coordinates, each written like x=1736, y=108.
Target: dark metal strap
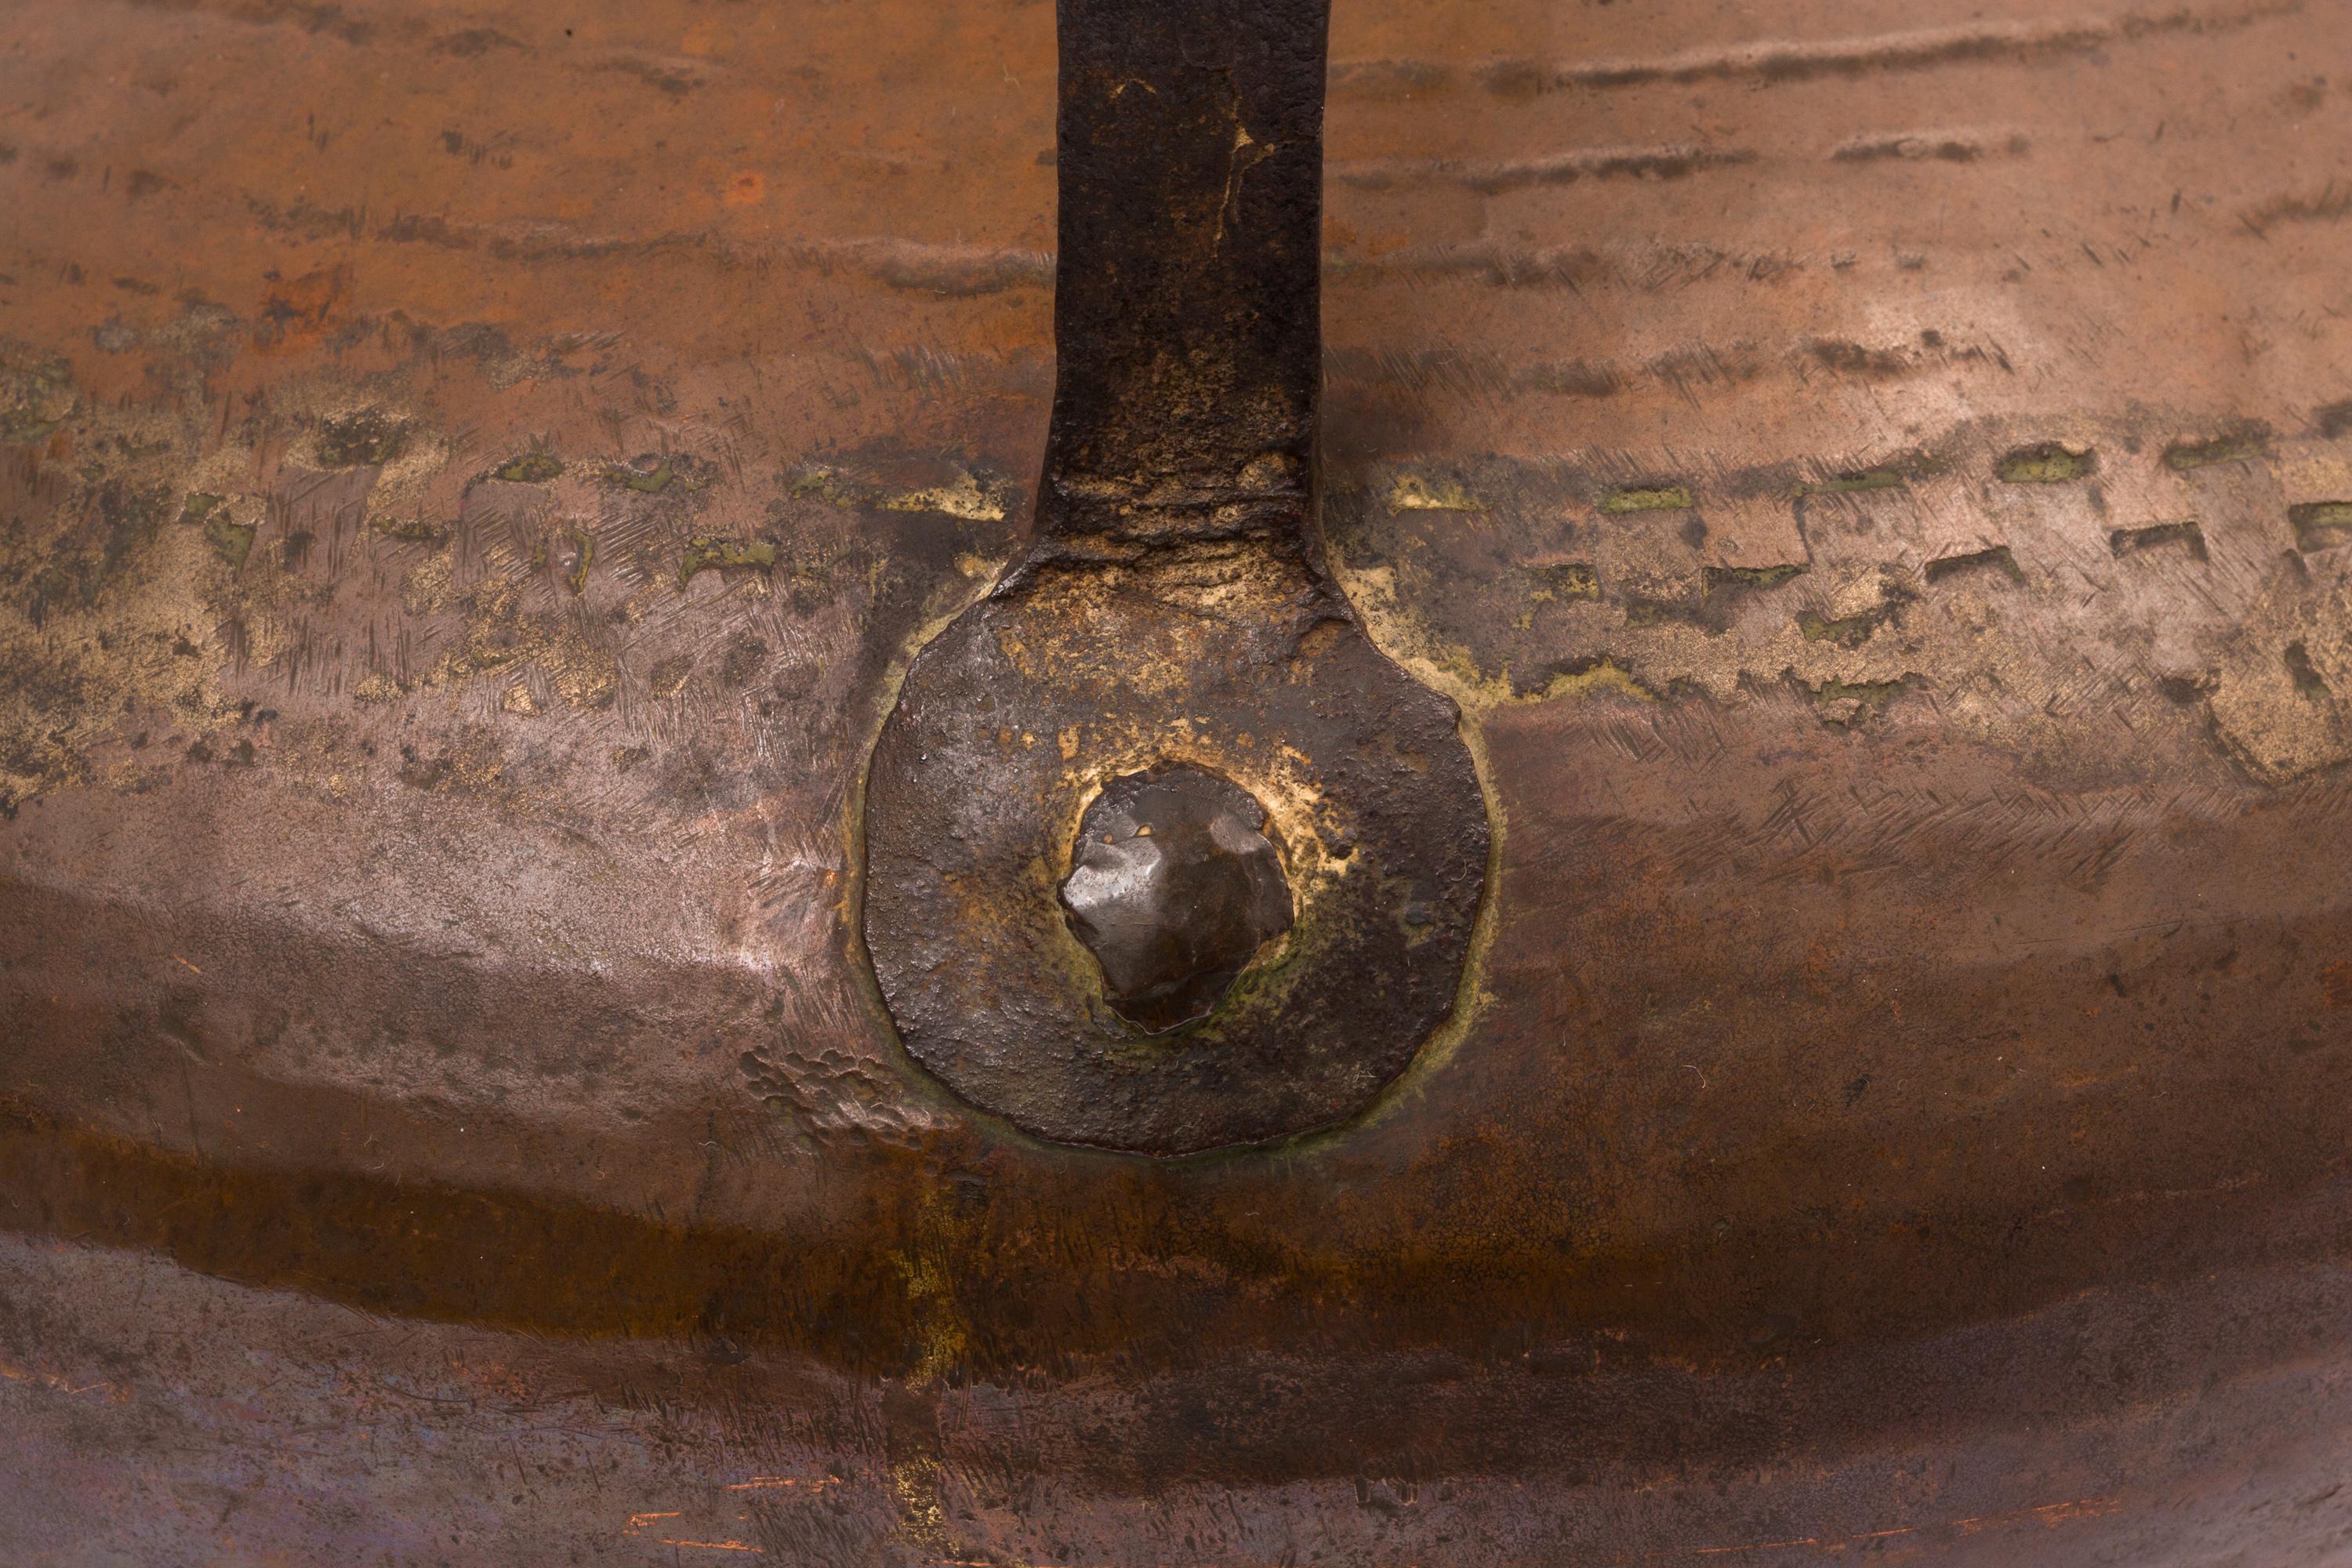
x=1187, y=314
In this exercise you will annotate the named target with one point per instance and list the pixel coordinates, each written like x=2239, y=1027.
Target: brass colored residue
x=1655, y=497
x=500, y=636
x=706, y=554
x=965, y=498
x=1432, y=492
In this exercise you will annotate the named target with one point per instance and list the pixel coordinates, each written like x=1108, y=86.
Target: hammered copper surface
x=1876, y=475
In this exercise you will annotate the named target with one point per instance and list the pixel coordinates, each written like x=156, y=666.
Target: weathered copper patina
x=1872, y=475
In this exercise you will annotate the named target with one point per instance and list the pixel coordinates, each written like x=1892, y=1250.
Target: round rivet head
x=1174, y=887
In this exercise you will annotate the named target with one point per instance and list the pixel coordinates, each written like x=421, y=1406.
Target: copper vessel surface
x=1875, y=478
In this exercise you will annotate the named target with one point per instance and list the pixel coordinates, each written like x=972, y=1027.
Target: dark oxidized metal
x=1175, y=608
x=1874, y=475
x=1174, y=887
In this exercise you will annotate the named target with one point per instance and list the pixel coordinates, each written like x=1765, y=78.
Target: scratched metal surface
x=1876, y=475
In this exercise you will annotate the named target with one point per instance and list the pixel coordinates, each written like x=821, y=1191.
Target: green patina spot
x=1570, y=580
x=1711, y=578
x=1655, y=497
x=528, y=469
x=1846, y=631
x=2047, y=464
x=1599, y=677
x=643, y=482
x=415, y=528
x=2124, y=540
x=2313, y=519
x=233, y=538
x=584, y=547
x=1644, y=613
x=2247, y=441
x=651, y=475
x=760, y=554
x=1996, y=559
x=831, y=485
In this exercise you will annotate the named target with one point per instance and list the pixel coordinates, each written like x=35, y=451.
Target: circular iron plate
x=1012, y=721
